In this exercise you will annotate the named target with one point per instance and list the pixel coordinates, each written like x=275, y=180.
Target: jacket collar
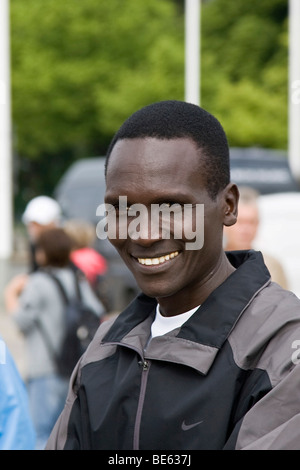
x=207, y=329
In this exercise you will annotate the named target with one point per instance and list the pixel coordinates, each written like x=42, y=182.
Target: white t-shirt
x=162, y=325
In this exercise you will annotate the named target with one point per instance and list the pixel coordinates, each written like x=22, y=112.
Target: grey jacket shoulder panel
x=264, y=337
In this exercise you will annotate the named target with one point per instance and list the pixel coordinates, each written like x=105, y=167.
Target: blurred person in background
x=86, y=258
x=16, y=427
x=40, y=214
x=241, y=236
x=40, y=301
x=83, y=255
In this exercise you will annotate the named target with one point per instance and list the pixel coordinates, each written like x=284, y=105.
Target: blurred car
x=266, y=170
x=79, y=192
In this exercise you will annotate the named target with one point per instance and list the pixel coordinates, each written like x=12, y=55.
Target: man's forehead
x=156, y=169
x=151, y=151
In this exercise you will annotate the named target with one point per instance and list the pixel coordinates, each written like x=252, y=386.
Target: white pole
x=294, y=87
x=192, y=51
x=6, y=242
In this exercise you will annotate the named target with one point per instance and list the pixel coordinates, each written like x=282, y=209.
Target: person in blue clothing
x=16, y=428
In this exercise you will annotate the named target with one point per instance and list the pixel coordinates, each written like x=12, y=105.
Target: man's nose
x=142, y=229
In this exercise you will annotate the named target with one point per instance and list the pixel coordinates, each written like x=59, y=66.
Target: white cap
x=43, y=210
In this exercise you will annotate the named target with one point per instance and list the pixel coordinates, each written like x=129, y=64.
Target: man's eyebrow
x=111, y=200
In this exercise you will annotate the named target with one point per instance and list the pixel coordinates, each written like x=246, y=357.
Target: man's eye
x=174, y=206
x=116, y=209
x=169, y=204
x=122, y=208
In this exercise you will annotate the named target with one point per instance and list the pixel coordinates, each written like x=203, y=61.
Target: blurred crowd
x=63, y=249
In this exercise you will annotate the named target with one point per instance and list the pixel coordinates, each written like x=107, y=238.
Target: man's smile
x=158, y=260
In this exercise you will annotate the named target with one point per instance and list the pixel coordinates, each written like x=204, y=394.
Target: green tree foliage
x=244, y=69
x=79, y=68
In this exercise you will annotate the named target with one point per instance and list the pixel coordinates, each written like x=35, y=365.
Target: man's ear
x=230, y=200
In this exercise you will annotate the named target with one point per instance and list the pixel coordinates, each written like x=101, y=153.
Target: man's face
x=152, y=171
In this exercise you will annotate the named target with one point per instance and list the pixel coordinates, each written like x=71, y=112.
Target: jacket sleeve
x=273, y=423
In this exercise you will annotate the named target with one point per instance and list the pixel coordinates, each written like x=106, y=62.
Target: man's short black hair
x=178, y=119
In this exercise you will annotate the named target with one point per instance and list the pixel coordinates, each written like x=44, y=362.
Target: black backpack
x=81, y=324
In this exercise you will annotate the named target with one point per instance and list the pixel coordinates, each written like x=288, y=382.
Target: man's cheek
x=194, y=226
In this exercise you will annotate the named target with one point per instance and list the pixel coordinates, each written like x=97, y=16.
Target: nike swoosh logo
x=186, y=427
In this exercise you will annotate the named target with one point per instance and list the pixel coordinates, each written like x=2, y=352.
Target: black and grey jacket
x=227, y=379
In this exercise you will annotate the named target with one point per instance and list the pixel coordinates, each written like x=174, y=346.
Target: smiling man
x=204, y=355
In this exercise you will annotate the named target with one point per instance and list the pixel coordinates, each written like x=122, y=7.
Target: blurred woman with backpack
x=37, y=307
x=83, y=254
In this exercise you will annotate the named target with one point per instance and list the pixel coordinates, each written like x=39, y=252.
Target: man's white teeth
x=160, y=260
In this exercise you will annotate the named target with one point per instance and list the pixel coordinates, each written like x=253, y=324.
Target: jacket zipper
x=145, y=372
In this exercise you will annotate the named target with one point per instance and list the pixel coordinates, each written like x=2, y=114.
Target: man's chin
x=156, y=292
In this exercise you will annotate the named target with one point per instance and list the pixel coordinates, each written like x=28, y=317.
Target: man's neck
x=183, y=300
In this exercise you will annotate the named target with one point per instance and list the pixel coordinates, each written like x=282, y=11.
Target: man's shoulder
x=267, y=328
x=279, y=297
x=275, y=305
